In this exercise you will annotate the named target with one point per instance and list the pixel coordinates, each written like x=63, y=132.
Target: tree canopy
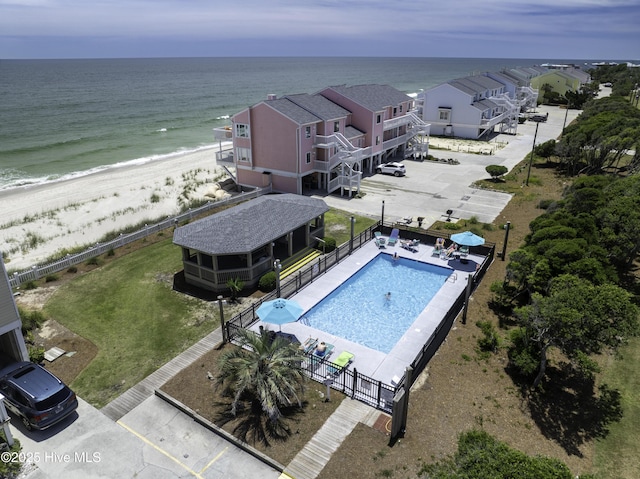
x=480, y=455
x=263, y=371
x=564, y=281
x=601, y=136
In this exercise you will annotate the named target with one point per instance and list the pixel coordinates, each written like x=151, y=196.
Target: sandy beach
x=41, y=220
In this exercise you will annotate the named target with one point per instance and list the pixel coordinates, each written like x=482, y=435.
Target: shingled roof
x=372, y=97
x=249, y=225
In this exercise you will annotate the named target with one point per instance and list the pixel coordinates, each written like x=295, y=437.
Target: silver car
x=393, y=168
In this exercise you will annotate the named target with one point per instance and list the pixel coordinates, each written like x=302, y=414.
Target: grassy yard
x=128, y=310
x=618, y=455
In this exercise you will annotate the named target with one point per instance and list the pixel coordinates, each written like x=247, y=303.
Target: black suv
x=35, y=395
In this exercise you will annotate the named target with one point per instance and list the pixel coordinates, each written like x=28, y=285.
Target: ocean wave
x=12, y=178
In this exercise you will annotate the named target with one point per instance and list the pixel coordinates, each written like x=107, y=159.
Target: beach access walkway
x=140, y=434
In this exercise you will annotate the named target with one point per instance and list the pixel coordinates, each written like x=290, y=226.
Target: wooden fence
x=40, y=271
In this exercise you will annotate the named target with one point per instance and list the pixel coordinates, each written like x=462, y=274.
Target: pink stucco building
x=327, y=140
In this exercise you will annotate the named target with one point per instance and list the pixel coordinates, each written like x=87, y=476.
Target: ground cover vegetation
x=486, y=382
x=572, y=287
x=121, y=316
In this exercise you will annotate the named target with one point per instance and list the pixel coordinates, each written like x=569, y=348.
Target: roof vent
x=272, y=96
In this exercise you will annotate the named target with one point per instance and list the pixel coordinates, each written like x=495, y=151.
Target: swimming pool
x=360, y=311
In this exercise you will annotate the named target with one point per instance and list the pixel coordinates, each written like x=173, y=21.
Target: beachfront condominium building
x=561, y=81
x=324, y=141
x=470, y=107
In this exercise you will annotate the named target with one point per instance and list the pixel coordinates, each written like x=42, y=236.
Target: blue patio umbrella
x=467, y=239
x=279, y=311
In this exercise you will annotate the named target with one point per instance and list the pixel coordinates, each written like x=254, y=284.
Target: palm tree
x=235, y=285
x=263, y=370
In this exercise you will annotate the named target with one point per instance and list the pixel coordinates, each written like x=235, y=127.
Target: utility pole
x=532, y=148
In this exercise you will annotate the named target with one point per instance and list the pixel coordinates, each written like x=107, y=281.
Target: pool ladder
x=304, y=320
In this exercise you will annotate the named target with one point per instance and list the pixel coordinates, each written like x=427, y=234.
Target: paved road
x=154, y=441
x=430, y=189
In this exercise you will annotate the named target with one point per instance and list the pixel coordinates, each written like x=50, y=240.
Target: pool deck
x=372, y=363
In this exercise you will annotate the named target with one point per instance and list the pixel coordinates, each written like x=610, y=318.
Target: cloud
x=369, y=24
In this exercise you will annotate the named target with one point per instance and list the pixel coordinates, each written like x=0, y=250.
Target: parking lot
x=431, y=188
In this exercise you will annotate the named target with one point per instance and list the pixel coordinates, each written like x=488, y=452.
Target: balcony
x=223, y=133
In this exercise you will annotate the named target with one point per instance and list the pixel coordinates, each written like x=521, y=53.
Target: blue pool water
x=358, y=310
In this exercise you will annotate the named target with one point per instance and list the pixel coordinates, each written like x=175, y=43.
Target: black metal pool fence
x=349, y=381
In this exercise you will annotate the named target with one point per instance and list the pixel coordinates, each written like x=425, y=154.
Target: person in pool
x=388, y=296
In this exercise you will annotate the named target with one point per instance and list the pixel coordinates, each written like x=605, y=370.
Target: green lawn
x=618, y=455
x=130, y=312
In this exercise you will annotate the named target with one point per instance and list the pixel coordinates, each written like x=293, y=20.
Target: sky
x=545, y=29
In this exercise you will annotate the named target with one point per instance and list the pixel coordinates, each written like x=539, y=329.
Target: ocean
x=67, y=118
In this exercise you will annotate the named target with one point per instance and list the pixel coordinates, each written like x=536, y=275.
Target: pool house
x=243, y=242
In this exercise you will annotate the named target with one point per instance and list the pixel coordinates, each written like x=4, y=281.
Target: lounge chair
x=394, y=237
x=341, y=362
x=309, y=345
x=381, y=242
x=410, y=245
x=464, y=251
x=316, y=358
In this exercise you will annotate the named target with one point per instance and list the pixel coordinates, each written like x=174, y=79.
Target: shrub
x=111, y=252
x=523, y=353
x=489, y=341
x=31, y=319
x=496, y=171
x=72, y=269
x=11, y=468
x=544, y=204
x=95, y=261
x=51, y=278
x=36, y=354
x=30, y=285
x=329, y=244
x=267, y=282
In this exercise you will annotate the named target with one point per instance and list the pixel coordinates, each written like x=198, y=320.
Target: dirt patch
x=458, y=391
x=195, y=387
x=79, y=352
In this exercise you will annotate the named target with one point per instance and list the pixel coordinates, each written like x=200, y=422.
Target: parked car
x=539, y=118
x=35, y=395
x=393, y=168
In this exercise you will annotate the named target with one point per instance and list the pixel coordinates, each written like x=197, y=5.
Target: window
x=395, y=111
x=307, y=132
x=445, y=114
x=378, y=118
x=377, y=139
x=336, y=126
x=242, y=130
x=308, y=157
x=243, y=154
x=400, y=108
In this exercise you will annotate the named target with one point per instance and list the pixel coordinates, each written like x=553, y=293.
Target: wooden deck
x=308, y=463
x=134, y=396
